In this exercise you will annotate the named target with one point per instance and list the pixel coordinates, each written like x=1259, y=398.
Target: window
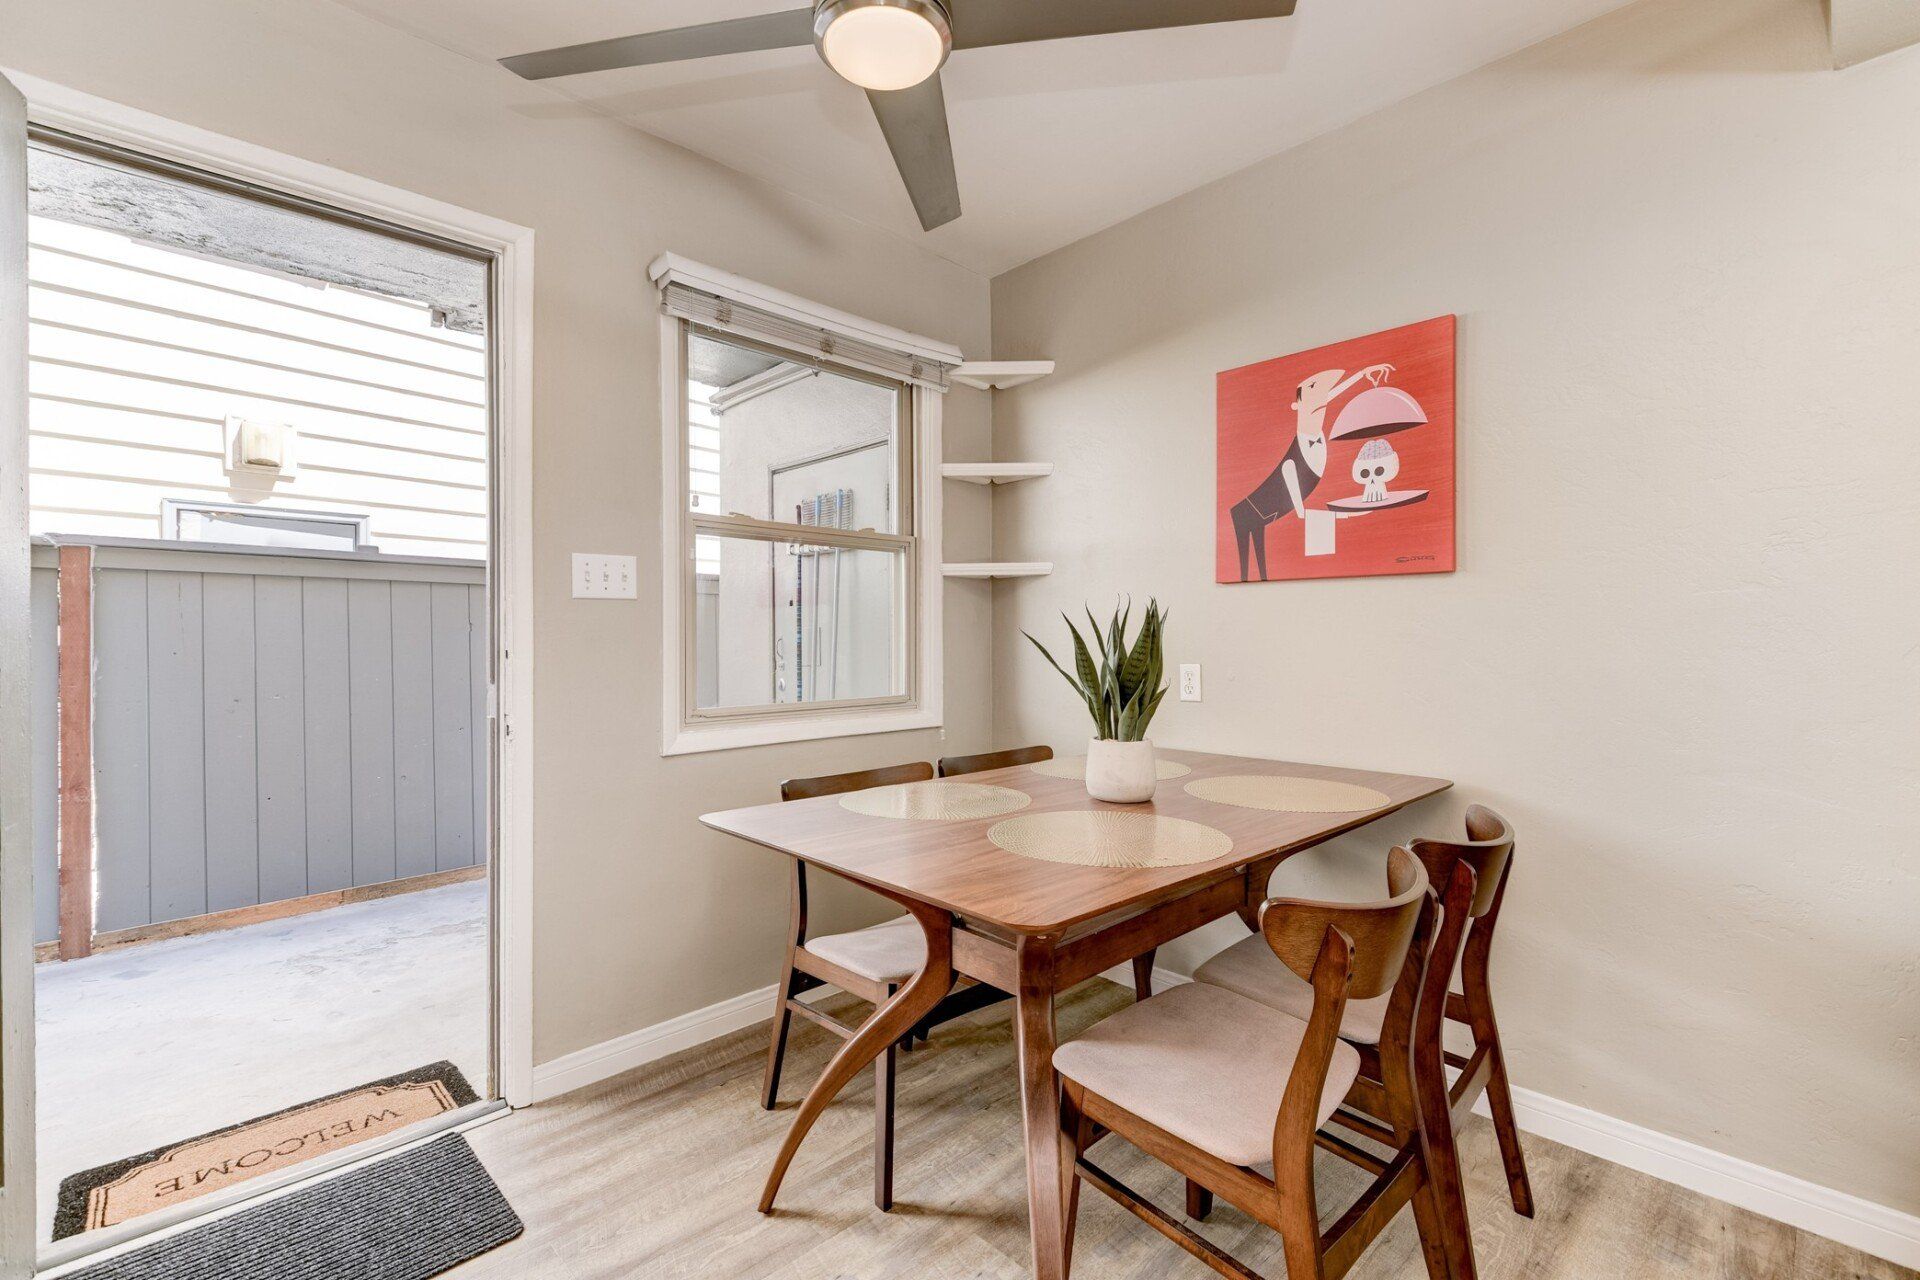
x=803, y=541
x=262, y=526
x=800, y=513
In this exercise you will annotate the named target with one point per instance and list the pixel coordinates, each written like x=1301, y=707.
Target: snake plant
x=1123, y=690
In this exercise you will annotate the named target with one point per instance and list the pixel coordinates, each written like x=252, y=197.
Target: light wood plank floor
x=656, y=1174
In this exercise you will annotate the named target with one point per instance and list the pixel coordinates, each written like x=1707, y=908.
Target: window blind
x=805, y=340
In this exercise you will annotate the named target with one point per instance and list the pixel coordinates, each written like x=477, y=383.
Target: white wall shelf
x=998, y=375
x=998, y=569
x=995, y=472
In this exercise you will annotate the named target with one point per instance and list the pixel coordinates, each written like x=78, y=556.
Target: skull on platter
x=1376, y=465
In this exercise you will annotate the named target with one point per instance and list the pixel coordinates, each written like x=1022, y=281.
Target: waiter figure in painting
x=1285, y=491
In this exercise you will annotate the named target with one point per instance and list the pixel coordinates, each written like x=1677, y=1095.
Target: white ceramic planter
x=1120, y=772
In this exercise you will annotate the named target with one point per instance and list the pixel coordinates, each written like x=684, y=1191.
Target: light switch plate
x=1189, y=682
x=598, y=577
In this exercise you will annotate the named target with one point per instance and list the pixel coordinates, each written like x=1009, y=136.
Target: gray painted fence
x=272, y=726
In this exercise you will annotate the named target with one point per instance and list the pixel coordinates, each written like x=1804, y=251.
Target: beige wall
x=640, y=914
x=1679, y=651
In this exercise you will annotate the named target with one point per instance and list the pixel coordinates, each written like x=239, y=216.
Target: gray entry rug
x=405, y=1217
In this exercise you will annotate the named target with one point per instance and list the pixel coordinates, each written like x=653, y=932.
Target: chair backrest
x=1378, y=933
x=833, y=784
x=1488, y=849
x=1346, y=950
x=953, y=766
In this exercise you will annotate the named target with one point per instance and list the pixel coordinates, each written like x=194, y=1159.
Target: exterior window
x=799, y=534
x=263, y=526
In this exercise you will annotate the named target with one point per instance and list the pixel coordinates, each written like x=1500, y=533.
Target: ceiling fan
x=894, y=50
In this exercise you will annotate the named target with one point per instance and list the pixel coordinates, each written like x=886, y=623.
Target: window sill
x=693, y=739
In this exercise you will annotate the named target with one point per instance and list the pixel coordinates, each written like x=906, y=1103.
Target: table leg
x=1047, y=1165
x=886, y=1025
x=1143, y=975
x=1258, y=876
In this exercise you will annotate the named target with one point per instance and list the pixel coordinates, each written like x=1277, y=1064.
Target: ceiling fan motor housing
x=883, y=44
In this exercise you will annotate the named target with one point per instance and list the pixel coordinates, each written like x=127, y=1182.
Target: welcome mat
x=408, y=1216
x=183, y=1171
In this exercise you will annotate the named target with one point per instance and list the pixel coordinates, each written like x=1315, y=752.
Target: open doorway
x=259, y=487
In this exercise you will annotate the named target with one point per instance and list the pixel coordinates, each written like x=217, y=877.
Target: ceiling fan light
x=883, y=44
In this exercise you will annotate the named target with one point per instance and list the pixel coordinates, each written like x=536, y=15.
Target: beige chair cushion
x=1249, y=968
x=890, y=952
x=1204, y=1064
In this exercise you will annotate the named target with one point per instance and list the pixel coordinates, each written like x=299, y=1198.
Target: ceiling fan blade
x=915, y=122
x=783, y=30
x=979, y=23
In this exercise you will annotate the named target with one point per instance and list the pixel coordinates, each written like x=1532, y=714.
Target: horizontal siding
x=56, y=490
x=302, y=307
x=138, y=354
x=176, y=329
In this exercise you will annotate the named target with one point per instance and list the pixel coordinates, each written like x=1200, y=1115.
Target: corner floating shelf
x=998, y=569
x=999, y=375
x=995, y=472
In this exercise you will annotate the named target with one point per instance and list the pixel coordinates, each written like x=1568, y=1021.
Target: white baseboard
x=603, y=1061
x=1850, y=1220
x=1162, y=978
x=1857, y=1223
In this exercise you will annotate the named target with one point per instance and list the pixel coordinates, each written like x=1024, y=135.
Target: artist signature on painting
x=1409, y=559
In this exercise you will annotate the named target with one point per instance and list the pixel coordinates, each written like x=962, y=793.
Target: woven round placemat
x=1108, y=839
x=1076, y=767
x=1286, y=794
x=936, y=801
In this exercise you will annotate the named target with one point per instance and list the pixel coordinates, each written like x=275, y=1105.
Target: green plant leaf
x=1123, y=689
x=1082, y=660
x=1145, y=717
x=1056, y=666
x=1130, y=720
x=1134, y=671
x=1099, y=642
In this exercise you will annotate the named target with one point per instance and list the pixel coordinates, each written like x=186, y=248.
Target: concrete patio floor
x=164, y=1041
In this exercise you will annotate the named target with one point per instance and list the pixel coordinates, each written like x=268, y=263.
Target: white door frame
x=511, y=539
x=16, y=809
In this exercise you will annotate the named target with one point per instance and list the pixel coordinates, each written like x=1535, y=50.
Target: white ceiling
x=1053, y=141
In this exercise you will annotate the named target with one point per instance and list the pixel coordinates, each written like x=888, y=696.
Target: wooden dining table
x=1033, y=927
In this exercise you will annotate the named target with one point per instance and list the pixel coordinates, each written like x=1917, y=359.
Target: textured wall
x=641, y=914
x=1679, y=651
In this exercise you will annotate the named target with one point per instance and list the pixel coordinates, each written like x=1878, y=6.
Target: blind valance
x=763, y=316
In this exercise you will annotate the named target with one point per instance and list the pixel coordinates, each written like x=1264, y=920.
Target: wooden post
x=76, y=752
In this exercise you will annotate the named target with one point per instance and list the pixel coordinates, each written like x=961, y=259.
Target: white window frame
x=171, y=509
x=684, y=730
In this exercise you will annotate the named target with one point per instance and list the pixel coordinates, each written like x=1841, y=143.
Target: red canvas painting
x=1338, y=462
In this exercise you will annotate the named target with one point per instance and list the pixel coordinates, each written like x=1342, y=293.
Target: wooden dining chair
x=1488, y=849
x=1235, y=1094
x=954, y=766
x=1251, y=969
x=870, y=964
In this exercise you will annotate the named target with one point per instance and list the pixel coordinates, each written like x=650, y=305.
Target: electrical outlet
x=604, y=577
x=1189, y=682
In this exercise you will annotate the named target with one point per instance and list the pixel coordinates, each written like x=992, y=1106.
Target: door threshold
x=60, y=1257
